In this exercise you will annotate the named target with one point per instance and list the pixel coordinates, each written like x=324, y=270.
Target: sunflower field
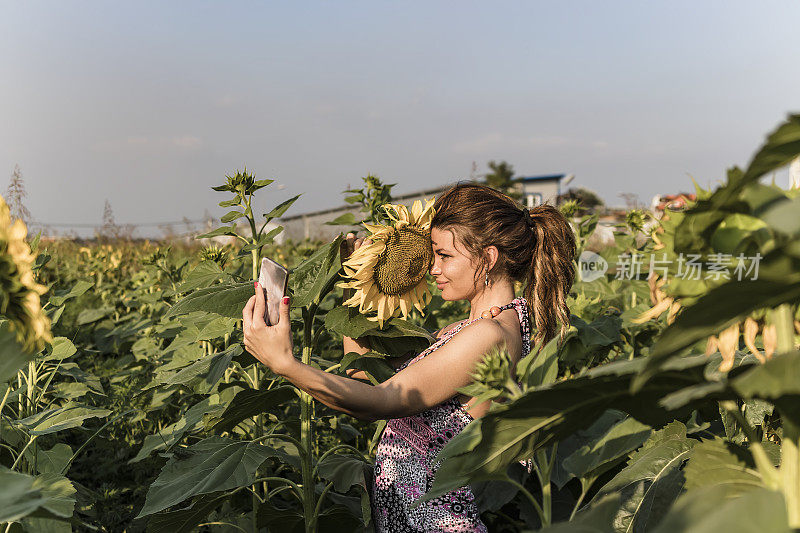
x=128, y=402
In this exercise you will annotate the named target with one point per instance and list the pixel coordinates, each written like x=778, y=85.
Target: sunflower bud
x=635, y=220
x=569, y=208
x=215, y=254
x=494, y=372
x=242, y=183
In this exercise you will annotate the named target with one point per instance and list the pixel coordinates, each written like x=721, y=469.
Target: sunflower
x=389, y=274
x=19, y=292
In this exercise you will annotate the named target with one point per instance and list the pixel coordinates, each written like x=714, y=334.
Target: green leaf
x=548, y=414
x=61, y=348
x=652, y=479
x=203, y=275
x=202, y=374
x=710, y=511
x=168, y=436
x=345, y=471
x=50, y=461
x=782, y=146
x=211, y=465
x=59, y=297
x=223, y=299
x=347, y=219
x=311, y=276
x=12, y=356
x=539, y=369
x=230, y=216
x=596, y=519
x=281, y=208
x=185, y=520
x=778, y=381
x=23, y=495
x=87, y=316
x=347, y=321
x=712, y=463
x=224, y=230
x=609, y=449
x=251, y=402
x=782, y=216
x=58, y=419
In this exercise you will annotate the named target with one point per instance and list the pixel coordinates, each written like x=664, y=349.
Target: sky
x=149, y=104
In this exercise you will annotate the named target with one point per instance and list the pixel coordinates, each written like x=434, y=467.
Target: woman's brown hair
x=539, y=252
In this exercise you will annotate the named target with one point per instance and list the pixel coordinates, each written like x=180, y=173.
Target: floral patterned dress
x=405, y=461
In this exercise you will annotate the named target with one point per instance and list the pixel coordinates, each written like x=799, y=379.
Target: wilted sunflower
x=389, y=274
x=19, y=292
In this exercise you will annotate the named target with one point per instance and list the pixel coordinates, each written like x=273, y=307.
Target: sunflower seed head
x=405, y=260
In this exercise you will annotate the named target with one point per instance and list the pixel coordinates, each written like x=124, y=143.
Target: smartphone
x=273, y=278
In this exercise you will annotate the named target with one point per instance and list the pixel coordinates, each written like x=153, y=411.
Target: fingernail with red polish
x=286, y=299
x=255, y=284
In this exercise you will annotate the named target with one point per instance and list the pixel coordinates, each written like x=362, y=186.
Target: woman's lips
x=440, y=285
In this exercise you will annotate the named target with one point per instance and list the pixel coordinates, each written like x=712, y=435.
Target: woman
x=483, y=242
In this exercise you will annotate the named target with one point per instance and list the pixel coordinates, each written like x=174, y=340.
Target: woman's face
x=453, y=267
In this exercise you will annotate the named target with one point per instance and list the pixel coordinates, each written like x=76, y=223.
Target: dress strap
x=522, y=310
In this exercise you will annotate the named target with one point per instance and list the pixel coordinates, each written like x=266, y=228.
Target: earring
x=487, y=278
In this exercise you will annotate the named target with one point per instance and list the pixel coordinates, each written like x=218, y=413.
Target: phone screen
x=273, y=278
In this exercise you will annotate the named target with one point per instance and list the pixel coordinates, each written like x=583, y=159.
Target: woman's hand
x=272, y=345
x=350, y=244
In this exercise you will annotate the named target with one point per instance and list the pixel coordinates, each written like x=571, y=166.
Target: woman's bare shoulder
x=439, y=334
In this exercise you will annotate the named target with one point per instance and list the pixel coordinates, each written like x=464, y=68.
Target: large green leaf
x=58, y=419
x=23, y=495
x=203, y=275
x=171, y=434
x=778, y=381
x=345, y=471
x=50, y=461
x=609, y=449
x=537, y=369
x=12, y=356
x=202, y=375
x=80, y=287
x=596, y=519
x=709, y=510
x=347, y=321
x=311, y=276
x=251, y=402
x=546, y=415
x=652, y=479
x=211, y=465
x=782, y=146
x=224, y=299
x=783, y=216
x=185, y=520
x=714, y=463
x=61, y=348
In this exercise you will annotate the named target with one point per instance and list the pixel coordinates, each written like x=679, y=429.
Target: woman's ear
x=493, y=254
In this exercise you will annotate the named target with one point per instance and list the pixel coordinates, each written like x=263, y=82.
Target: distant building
x=535, y=190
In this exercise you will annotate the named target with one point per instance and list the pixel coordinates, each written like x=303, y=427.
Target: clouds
x=143, y=144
